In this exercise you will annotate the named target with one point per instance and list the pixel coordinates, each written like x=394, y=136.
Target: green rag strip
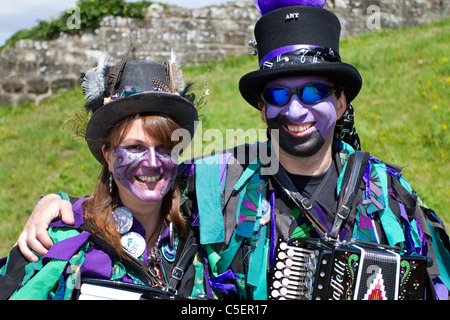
x=43, y=282
x=208, y=191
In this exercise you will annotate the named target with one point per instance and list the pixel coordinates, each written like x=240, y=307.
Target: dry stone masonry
x=34, y=70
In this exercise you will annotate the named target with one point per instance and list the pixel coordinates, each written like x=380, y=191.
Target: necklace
x=153, y=257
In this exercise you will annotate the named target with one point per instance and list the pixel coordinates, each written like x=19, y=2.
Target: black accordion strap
x=353, y=175
x=189, y=249
x=304, y=204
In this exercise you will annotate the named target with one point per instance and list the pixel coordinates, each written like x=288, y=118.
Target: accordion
x=100, y=289
x=316, y=269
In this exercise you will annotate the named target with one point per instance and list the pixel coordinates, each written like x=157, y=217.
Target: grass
x=402, y=116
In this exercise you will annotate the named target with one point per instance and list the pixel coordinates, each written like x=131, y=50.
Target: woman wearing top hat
x=129, y=229
x=304, y=90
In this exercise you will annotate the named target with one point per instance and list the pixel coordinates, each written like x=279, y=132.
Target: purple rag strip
x=272, y=227
x=219, y=282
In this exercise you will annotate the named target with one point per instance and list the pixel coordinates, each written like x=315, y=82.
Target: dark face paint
x=303, y=128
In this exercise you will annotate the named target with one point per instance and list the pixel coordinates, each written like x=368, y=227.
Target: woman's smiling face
x=142, y=166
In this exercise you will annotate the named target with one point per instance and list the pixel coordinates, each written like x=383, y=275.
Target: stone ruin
x=33, y=70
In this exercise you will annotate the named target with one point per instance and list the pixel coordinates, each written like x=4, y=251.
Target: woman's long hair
x=99, y=206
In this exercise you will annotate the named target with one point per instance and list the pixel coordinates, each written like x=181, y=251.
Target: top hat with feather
x=134, y=87
x=297, y=38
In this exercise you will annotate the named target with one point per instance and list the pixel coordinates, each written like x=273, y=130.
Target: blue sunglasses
x=310, y=93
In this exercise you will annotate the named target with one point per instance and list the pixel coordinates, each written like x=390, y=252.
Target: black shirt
x=307, y=186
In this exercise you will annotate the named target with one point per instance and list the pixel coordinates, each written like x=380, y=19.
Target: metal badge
x=133, y=243
x=168, y=252
x=123, y=218
x=265, y=208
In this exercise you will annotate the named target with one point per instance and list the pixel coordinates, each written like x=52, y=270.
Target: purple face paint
x=303, y=128
x=148, y=173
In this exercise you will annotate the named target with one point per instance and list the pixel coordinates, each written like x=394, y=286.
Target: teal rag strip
x=442, y=257
x=63, y=195
x=391, y=225
x=208, y=190
x=257, y=273
x=247, y=174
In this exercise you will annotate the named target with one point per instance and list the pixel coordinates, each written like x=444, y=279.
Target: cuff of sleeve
x=63, y=195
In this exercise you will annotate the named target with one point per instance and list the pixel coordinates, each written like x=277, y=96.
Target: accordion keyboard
x=294, y=272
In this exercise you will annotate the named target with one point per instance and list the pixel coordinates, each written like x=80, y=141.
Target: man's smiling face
x=303, y=128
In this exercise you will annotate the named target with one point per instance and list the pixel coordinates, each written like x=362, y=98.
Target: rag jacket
x=239, y=213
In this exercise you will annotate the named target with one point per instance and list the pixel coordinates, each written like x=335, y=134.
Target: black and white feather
x=94, y=86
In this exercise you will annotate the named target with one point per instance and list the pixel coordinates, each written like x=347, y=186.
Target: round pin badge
x=124, y=219
x=168, y=252
x=133, y=243
x=265, y=209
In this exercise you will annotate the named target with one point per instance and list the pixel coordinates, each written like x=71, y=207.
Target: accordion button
x=276, y=284
x=275, y=293
x=288, y=262
x=282, y=255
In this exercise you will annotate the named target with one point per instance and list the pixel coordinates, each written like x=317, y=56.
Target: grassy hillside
x=402, y=116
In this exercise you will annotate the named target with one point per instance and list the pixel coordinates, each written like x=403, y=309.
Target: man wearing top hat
x=304, y=90
x=325, y=187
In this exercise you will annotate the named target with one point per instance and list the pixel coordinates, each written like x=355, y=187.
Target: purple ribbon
x=318, y=52
x=206, y=273
x=366, y=179
x=272, y=227
x=64, y=250
x=389, y=170
x=283, y=50
x=219, y=284
x=186, y=169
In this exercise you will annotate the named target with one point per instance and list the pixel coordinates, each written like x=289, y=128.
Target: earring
x=110, y=182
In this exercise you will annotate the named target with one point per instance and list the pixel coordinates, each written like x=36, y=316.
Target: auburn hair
x=99, y=206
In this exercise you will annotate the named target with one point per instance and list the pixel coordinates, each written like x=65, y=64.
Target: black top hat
x=137, y=87
x=299, y=41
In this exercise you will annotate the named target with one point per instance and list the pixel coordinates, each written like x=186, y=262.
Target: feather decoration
x=114, y=73
x=160, y=86
x=174, y=74
x=265, y=6
x=185, y=90
x=203, y=99
x=94, y=82
x=77, y=122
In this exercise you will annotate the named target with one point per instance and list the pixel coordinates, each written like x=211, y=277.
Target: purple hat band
x=298, y=54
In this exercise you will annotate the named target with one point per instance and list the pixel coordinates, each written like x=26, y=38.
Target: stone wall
x=34, y=70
